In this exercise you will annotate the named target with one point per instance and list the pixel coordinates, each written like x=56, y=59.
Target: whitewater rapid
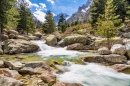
x=46, y=50
x=90, y=74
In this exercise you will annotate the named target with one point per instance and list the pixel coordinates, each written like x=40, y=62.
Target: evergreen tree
x=12, y=16
x=5, y=5
x=96, y=10
x=62, y=25
x=49, y=25
x=123, y=9
x=26, y=22
x=109, y=22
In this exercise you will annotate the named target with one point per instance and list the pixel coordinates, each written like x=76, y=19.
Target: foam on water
x=94, y=75
x=46, y=50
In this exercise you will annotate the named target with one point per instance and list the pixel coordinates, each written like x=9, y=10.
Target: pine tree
x=96, y=10
x=12, y=16
x=109, y=22
x=62, y=25
x=49, y=25
x=26, y=22
x=5, y=5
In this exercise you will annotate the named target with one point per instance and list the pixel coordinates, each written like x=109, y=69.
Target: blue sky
x=39, y=7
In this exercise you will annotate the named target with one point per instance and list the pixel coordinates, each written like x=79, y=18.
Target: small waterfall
x=46, y=50
x=94, y=75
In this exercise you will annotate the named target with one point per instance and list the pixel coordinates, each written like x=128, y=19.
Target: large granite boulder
x=16, y=46
x=51, y=40
x=102, y=42
x=6, y=81
x=118, y=49
x=22, y=37
x=109, y=59
x=76, y=46
x=104, y=51
x=13, y=65
x=31, y=37
x=1, y=51
x=121, y=68
x=10, y=73
x=39, y=68
x=73, y=39
x=13, y=32
x=1, y=64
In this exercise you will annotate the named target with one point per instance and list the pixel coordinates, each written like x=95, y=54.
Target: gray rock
x=4, y=37
x=74, y=39
x=10, y=73
x=6, y=81
x=51, y=40
x=38, y=34
x=118, y=49
x=14, y=65
x=104, y=51
x=16, y=46
x=110, y=59
x=76, y=46
x=13, y=32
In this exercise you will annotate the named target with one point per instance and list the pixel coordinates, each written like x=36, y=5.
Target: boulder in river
x=51, y=40
x=38, y=34
x=118, y=49
x=6, y=81
x=121, y=68
x=109, y=59
x=104, y=51
x=73, y=39
x=16, y=46
x=76, y=46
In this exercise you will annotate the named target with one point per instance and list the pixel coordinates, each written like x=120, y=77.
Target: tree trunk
x=0, y=32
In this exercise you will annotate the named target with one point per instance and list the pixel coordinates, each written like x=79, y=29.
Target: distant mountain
x=82, y=14
x=56, y=18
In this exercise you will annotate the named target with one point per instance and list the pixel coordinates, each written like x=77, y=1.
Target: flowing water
x=90, y=74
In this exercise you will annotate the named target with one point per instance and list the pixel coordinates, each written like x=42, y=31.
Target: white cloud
x=51, y=1
x=40, y=15
x=42, y=6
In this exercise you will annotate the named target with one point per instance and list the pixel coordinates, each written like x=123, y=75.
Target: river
x=91, y=74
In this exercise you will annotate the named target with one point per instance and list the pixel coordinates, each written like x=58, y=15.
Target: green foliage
x=26, y=22
x=109, y=22
x=12, y=18
x=62, y=25
x=5, y=6
x=49, y=25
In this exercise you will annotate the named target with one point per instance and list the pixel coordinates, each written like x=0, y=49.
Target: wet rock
x=76, y=46
x=66, y=84
x=62, y=69
x=10, y=73
x=121, y=67
x=51, y=40
x=13, y=65
x=110, y=59
x=104, y=51
x=16, y=46
x=1, y=64
x=6, y=81
x=118, y=49
x=58, y=35
x=74, y=39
